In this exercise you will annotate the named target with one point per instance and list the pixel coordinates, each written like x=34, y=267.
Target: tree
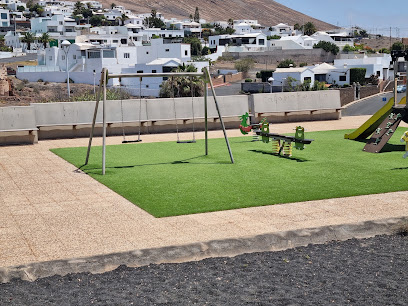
x=112, y=5
x=182, y=86
x=78, y=7
x=348, y=48
x=97, y=20
x=196, y=15
x=28, y=38
x=357, y=75
x=153, y=21
x=327, y=46
x=123, y=18
x=244, y=65
x=195, y=45
x=20, y=8
x=45, y=39
x=309, y=28
x=230, y=22
x=286, y=63
x=398, y=46
x=297, y=27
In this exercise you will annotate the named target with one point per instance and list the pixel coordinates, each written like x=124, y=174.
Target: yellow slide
x=368, y=127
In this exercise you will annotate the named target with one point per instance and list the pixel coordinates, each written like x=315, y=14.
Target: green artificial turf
x=168, y=179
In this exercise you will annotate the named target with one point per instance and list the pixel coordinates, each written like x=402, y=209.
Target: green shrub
x=248, y=80
x=273, y=37
x=302, y=64
x=327, y=46
x=286, y=63
x=264, y=75
x=40, y=80
x=244, y=65
x=357, y=75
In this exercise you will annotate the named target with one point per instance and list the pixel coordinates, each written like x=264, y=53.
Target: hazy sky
x=373, y=15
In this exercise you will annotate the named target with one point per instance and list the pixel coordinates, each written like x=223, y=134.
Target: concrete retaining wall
x=73, y=119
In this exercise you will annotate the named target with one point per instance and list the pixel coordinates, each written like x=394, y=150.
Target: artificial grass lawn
x=168, y=179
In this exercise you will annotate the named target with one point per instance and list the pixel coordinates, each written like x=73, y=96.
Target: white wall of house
x=4, y=18
x=378, y=65
x=281, y=76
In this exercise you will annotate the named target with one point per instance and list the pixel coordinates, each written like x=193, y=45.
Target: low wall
x=298, y=56
x=73, y=119
x=348, y=95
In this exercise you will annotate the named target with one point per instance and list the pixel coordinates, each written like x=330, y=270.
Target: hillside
x=267, y=12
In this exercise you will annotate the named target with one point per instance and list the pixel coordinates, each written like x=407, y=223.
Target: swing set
x=105, y=76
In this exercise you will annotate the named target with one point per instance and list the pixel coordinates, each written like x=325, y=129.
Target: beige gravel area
x=50, y=211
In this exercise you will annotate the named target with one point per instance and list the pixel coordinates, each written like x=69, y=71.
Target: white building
x=281, y=29
x=239, y=43
x=85, y=59
x=339, y=39
x=331, y=75
x=4, y=18
x=374, y=65
x=300, y=75
x=12, y=5
x=94, y=5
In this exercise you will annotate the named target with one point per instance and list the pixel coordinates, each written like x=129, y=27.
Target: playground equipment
x=105, y=76
x=404, y=138
x=281, y=144
x=382, y=125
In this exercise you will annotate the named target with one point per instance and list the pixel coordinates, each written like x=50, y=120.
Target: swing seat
x=130, y=141
x=186, y=141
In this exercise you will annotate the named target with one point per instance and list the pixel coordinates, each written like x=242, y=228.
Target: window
x=3, y=16
x=74, y=56
x=378, y=73
x=147, y=52
x=108, y=54
x=4, y=24
x=83, y=52
x=60, y=22
x=186, y=52
x=123, y=41
x=262, y=41
x=167, y=50
x=307, y=79
x=342, y=78
x=147, y=86
x=94, y=54
x=115, y=41
x=139, y=71
x=154, y=71
x=126, y=55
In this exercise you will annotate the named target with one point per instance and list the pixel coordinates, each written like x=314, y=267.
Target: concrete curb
x=197, y=251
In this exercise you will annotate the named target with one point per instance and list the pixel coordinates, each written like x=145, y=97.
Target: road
x=368, y=106
x=28, y=57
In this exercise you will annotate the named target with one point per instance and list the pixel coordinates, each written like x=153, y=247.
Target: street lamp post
x=270, y=80
x=283, y=83
x=65, y=47
x=94, y=76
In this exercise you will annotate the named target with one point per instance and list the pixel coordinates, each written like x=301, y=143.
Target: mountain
x=267, y=12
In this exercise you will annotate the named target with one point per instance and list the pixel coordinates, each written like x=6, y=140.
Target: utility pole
x=390, y=39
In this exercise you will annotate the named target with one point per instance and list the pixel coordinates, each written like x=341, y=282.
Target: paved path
x=51, y=211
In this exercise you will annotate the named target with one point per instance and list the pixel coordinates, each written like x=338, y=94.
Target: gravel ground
x=356, y=272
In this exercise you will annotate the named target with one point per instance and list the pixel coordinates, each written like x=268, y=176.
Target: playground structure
x=281, y=144
x=383, y=124
x=105, y=76
x=404, y=138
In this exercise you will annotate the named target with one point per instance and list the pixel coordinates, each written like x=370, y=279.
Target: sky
x=376, y=16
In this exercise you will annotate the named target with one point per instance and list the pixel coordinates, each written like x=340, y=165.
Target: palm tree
x=45, y=39
x=182, y=86
x=28, y=38
x=123, y=18
x=309, y=28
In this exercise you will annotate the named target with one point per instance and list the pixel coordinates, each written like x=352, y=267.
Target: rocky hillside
x=267, y=12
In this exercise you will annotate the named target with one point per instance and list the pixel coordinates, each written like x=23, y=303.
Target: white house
x=4, y=18
x=86, y=59
x=281, y=29
x=339, y=39
x=247, y=41
x=13, y=4
x=95, y=5
x=374, y=65
x=331, y=75
x=300, y=75
x=241, y=28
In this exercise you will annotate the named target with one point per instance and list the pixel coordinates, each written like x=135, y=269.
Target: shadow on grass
x=389, y=147
x=299, y=160
x=176, y=162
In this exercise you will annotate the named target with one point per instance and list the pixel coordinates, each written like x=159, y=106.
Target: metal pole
x=98, y=98
x=406, y=83
x=219, y=114
x=66, y=57
x=395, y=82
x=206, y=114
x=104, y=122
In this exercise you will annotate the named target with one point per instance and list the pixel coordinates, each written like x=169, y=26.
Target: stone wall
x=272, y=58
x=348, y=95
